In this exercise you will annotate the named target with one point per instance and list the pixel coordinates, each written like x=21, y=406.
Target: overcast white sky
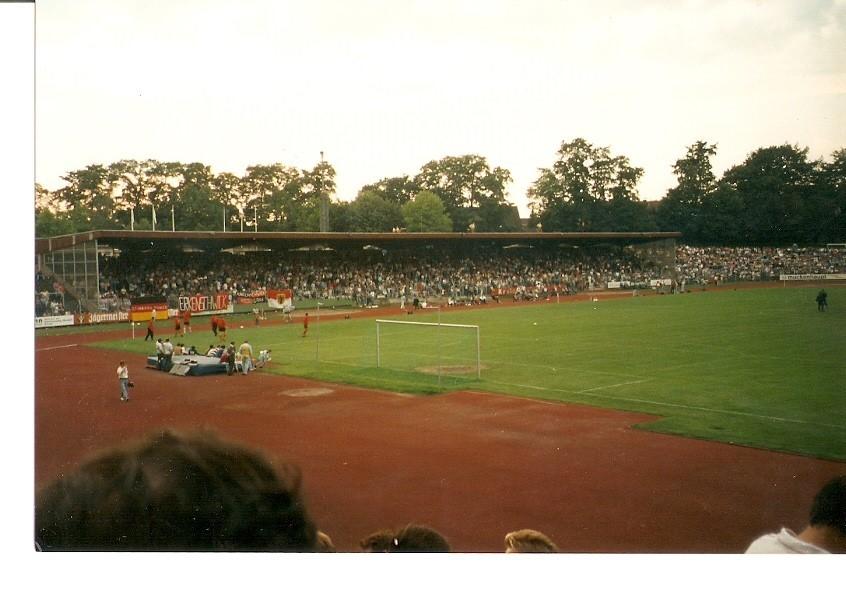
x=385, y=86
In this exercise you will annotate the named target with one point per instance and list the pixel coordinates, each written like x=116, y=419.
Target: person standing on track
x=246, y=352
x=214, y=325
x=186, y=320
x=123, y=381
x=305, y=325
x=177, y=327
x=150, y=334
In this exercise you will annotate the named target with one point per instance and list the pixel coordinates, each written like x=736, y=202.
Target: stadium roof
x=218, y=240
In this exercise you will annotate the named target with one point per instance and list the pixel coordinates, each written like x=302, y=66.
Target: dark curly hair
x=176, y=492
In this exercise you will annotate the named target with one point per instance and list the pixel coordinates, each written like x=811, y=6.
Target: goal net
x=442, y=349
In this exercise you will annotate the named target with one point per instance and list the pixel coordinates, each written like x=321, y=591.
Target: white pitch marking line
x=56, y=347
x=605, y=387
x=685, y=406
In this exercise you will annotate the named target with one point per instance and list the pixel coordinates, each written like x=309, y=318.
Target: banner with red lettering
x=215, y=304
x=253, y=297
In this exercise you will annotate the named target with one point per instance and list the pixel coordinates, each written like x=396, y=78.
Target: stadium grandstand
x=101, y=271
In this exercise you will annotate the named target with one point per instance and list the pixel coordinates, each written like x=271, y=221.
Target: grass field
x=758, y=367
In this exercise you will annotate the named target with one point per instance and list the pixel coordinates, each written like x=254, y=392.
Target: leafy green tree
x=226, y=192
x=825, y=211
x=575, y=193
x=372, y=212
x=196, y=210
x=398, y=190
x=340, y=216
x=721, y=217
x=426, y=213
x=135, y=188
x=469, y=188
x=773, y=184
x=680, y=209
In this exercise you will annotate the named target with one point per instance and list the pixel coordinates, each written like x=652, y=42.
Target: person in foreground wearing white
x=825, y=534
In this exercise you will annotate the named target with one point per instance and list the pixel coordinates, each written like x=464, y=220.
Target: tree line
x=776, y=196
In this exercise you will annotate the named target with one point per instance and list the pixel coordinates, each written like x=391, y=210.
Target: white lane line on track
x=56, y=347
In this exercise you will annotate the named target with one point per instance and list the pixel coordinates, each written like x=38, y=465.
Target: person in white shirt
x=246, y=352
x=167, y=348
x=123, y=380
x=825, y=533
x=160, y=353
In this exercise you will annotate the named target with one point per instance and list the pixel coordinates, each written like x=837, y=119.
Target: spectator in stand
x=825, y=533
x=411, y=538
x=528, y=541
x=175, y=492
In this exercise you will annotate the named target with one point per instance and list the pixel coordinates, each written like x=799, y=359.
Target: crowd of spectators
x=48, y=302
x=368, y=278
x=705, y=265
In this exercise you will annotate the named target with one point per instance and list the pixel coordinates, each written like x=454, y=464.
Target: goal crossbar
x=454, y=325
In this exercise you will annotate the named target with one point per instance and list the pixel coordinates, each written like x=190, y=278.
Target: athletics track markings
x=56, y=347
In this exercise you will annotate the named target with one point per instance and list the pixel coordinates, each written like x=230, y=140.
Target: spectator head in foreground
x=528, y=541
x=411, y=538
x=826, y=530
x=175, y=492
x=324, y=543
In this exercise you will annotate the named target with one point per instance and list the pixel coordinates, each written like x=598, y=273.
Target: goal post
x=450, y=346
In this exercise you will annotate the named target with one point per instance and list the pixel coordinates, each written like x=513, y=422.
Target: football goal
x=442, y=349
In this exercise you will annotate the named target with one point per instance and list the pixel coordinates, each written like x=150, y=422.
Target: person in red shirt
x=214, y=326
x=177, y=327
x=150, y=334
x=221, y=328
x=186, y=320
x=305, y=325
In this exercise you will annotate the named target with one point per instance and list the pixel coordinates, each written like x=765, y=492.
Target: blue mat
x=197, y=365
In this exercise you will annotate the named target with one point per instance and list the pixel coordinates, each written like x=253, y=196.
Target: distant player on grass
x=186, y=320
x=177, y=327
x=822, y=301
x=150, y=333
x=825, y=533
x=305, y=325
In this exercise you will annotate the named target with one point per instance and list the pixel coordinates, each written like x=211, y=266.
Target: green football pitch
x=757, y=367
